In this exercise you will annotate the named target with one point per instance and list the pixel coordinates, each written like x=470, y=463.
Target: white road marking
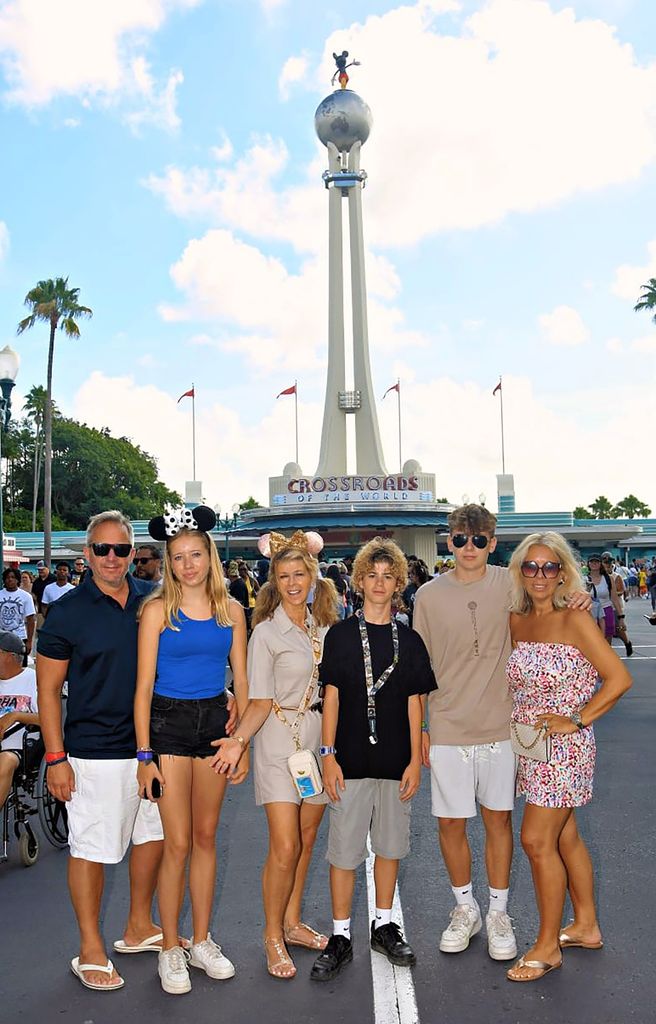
x=394, y=990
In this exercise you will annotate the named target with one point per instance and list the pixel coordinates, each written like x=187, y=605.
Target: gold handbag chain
x=295, y=726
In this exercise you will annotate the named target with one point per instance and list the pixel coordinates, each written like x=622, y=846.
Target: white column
x=332, y=457
x=368, y=447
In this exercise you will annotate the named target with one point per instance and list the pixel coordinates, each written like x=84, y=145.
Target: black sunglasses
x=120, y=550
x=549, y=570
x=142, y=561
x=479, y=540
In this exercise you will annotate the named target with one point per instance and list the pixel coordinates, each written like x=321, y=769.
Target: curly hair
x=472, y=519
x=324, y=604
x=379, y=550
x=569, y=567
x=170, y=592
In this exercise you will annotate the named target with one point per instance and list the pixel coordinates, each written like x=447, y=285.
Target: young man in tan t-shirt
x=462, y=617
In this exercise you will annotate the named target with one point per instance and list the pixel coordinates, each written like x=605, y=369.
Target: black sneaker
x=388, y=940
x=336, y=955
x=629, y=648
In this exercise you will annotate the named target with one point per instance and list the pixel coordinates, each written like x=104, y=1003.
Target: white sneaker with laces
x=208, y=956
x=465, y=921
x=501, y=942
x=172, y=970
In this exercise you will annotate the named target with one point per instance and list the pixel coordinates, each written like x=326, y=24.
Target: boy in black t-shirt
x=374, y=671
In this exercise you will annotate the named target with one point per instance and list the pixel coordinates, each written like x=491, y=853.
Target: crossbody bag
x=303, y=765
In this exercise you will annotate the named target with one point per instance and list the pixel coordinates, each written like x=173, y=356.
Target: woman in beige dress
x=283, y=659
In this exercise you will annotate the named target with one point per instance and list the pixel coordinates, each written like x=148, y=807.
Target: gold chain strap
x=538, y=737
x=295, y=726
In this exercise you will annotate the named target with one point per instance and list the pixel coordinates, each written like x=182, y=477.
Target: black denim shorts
x=186, y=727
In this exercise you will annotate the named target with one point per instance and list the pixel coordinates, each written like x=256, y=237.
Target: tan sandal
x=283, y=963
x=317, y=940
x=543, y=966
x=567, y=941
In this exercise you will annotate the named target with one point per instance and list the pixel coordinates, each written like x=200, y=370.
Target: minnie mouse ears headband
x=169, y=525
x=272, y=544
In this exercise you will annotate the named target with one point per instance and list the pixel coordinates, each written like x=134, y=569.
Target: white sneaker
x=173, y=972
x=208, y=956
x=501, y=942
x=465, y=922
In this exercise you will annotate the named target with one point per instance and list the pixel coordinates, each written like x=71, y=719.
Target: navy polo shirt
x=98, y=638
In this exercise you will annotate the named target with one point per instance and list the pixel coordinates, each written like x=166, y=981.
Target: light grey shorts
x=368, y=805
x=461, y=776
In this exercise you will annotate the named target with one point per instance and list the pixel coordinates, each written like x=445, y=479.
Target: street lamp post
x=227, y=524
x=9, y=363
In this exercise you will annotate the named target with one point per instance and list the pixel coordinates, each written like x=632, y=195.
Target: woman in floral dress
x=558, y=655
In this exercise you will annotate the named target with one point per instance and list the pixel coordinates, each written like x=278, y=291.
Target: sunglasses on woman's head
x=120, y=550
x=479, y=540
x=549, y=570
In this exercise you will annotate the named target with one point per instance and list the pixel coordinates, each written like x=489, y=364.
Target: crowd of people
x=346, y=680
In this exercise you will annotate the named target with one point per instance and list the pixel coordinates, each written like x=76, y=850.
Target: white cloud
x=4, y=240
x=93, y=51
x=645, y=344
x=294, y=70
x=563, y=326
x=151, y=418
x=72, y=122
x=642, y=345
x=479, y=126
x=629, y=278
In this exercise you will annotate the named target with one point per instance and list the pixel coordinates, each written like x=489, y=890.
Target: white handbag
x=305, y=773
x=527, y=741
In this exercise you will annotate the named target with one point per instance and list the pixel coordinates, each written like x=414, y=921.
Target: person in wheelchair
x=18, y=707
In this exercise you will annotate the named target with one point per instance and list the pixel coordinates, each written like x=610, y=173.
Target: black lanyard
x=374, y=687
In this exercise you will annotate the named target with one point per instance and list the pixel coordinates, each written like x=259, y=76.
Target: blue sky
x=162, y=154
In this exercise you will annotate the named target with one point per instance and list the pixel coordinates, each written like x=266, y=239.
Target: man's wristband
x=621, y=616
x=325, y=751
x=144, y=756
x=59, y=760
x=424, y=726
x=55, y=756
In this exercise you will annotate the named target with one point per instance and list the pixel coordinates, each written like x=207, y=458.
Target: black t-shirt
x=38, y=586
x=342, y=666
x=98, y=638
x=239, y=591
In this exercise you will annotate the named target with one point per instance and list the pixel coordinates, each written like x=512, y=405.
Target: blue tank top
x=191, y=663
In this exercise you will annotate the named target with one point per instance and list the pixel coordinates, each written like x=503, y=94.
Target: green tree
x=601, y=508
x=630, y=507
x=92, y=471
x=582, y=513
x=250, y=502
x=648, y=298
x=54, y=303
x=35, y=408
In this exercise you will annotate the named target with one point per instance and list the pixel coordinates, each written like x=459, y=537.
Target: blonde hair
x=324, y=603
x=379, y=550
x=170, y=592
x=569, y=568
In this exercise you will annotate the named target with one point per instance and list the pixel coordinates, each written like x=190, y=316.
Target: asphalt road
x=613, y=986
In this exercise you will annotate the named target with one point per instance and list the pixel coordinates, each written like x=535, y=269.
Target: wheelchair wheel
x=28, y=849
x=52, y=813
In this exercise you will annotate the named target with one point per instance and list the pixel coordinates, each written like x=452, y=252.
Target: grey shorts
x=368, y=805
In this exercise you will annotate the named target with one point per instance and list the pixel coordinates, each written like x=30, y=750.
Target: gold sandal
x=284, y=960
x=536, y=965
x=317, y=940
x=567, y=941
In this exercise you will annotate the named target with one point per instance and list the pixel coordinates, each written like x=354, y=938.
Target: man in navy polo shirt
x=90, y=639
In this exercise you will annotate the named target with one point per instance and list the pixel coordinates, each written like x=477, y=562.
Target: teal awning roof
x=361, y=519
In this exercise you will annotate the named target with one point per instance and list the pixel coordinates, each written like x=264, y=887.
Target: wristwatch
x=324, y=751
x=576, y=718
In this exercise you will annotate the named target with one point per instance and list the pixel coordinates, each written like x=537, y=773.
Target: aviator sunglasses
x=549, y=570
x=120, y=550
x=479, y=540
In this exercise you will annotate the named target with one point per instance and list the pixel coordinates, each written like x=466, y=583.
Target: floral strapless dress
x=553, y=679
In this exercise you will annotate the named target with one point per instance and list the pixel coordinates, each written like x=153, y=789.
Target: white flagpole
x=503, y=446
x=398, y=395
x=296, y=416
x=193, y=430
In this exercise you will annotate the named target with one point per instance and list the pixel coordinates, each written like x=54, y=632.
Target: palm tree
x=56, y=304
x=35, y=407
x=601, y=508
x=630, y=507
x=648, y=298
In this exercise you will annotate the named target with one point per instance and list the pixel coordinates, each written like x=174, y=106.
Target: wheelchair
x=29, y=796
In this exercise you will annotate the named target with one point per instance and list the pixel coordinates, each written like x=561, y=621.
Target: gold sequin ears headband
x=271, y=544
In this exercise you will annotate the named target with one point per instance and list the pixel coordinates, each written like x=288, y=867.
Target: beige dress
x=280, y=663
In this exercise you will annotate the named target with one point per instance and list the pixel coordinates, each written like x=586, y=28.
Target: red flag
x=497, y=388
x=394, y=387
x=187, y=394
x=288, y=391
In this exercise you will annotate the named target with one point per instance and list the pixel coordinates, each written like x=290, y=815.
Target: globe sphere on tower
x=343, y=118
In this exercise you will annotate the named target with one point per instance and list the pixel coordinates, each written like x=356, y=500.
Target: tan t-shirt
x=465, y=627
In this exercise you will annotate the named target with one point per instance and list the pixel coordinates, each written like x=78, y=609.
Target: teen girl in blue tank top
x=188, y=630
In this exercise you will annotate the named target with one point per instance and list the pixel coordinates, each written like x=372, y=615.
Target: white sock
x=464, y=895
x=383, y=917
x=342, y=928
x=498, y=900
